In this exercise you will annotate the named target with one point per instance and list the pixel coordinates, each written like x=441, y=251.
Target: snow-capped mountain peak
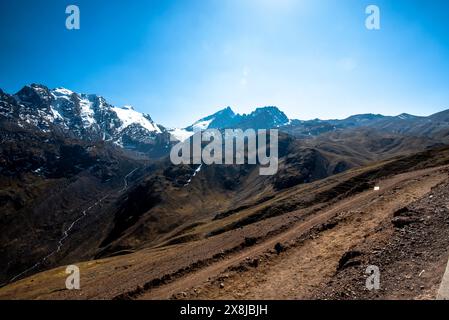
x=261, y=118
x=82, y=116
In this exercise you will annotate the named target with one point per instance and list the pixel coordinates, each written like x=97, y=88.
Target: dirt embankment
x=326, y=256
x=411, y=251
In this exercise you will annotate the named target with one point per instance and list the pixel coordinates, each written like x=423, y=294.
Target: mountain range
x=86, y=117
x=82, y=180
x=89, y=117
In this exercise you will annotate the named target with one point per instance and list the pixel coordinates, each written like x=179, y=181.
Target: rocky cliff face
x=86, y=117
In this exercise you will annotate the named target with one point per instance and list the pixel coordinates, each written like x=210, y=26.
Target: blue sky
x=182, y=60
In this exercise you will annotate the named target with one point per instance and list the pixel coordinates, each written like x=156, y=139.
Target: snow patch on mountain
x=83, y=116
x=197, y=170
x=202, y=125
x=181, y=134
x=129, y=116
x=62, y=93
x=87, y=113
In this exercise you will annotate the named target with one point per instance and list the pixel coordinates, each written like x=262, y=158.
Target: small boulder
x=401, y=222
x=279, y=248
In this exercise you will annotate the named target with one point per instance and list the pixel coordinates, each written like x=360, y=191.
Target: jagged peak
x=33, y=87
x=36, y=94
x=223, y=112
x=268, y=108
x=272, y=111
x=227, y=110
